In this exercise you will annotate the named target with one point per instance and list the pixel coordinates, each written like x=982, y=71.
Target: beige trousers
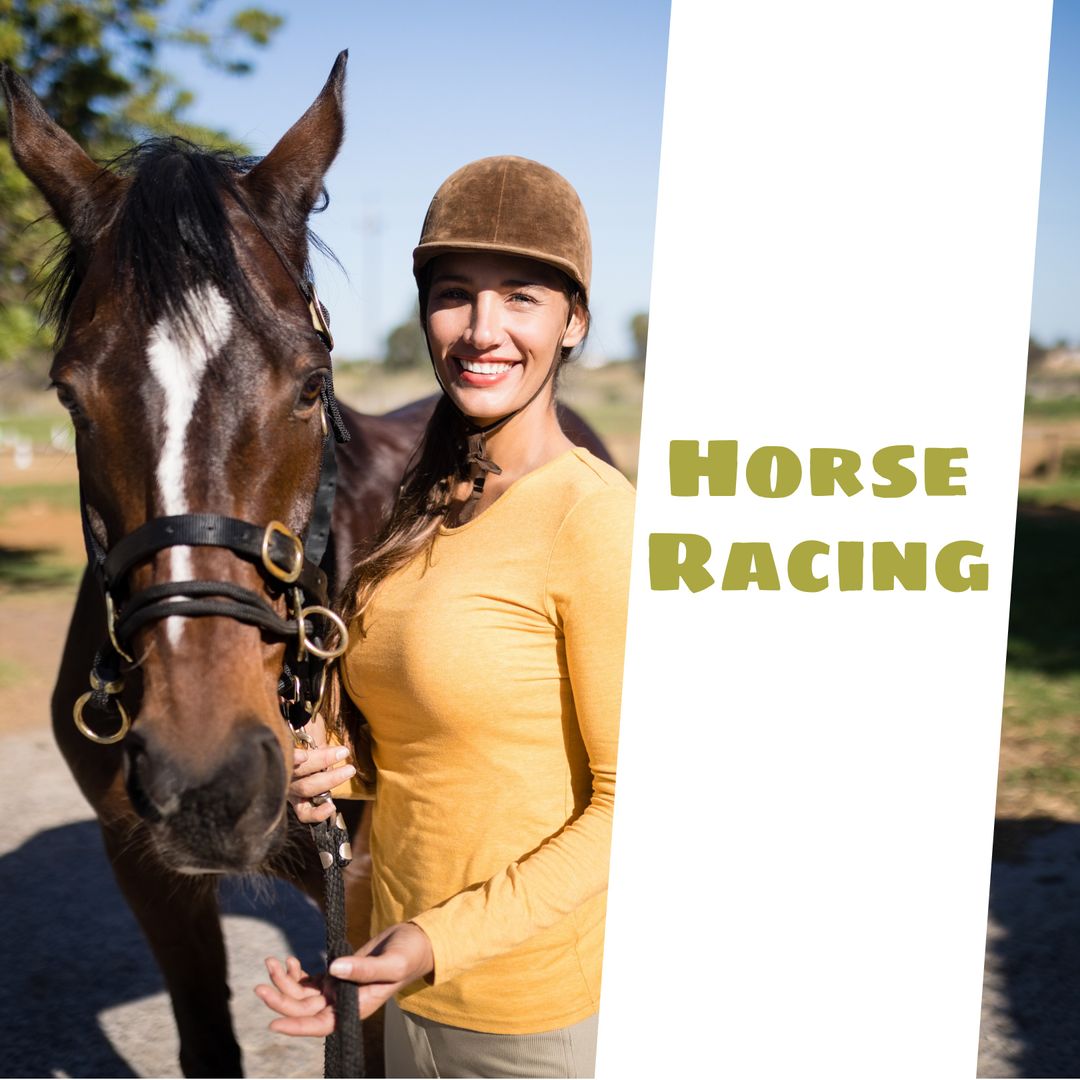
x=417, y=1047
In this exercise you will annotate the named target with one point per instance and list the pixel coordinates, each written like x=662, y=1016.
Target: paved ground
x=1031, y=1003
x=79, y=992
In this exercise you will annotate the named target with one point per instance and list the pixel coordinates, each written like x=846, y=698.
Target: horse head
x=190, y=361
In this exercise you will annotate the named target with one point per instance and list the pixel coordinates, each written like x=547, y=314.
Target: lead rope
x=343, y=1053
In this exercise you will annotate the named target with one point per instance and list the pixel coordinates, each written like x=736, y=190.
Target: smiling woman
x=494, y=323
x=486, y=638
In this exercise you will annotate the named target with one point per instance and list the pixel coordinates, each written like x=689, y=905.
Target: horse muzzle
x=229, y=821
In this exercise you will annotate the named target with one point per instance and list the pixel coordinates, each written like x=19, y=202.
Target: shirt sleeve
x=586, y=596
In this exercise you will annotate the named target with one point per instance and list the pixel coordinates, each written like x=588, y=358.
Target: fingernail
x=341, y=753
x=348, y=770
x=340, y=969
x=299, y=757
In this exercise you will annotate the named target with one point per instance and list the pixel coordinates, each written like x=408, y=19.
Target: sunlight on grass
x=55, y=496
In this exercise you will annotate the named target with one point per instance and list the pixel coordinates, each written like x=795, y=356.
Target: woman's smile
x=483, y=371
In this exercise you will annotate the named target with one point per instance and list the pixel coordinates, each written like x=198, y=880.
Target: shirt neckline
x=443, y=530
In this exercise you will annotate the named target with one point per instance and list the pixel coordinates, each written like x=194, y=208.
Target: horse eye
x=67, y=399
x=312, y=388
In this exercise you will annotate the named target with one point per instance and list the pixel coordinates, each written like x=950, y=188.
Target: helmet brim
x=424, y=253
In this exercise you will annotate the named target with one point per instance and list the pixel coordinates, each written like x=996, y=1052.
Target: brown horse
x=190, y=362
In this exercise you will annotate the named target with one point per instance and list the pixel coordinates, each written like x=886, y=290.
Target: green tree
x=1036, y=354
x=405, y=345
x=96, y=66
x=639, y=327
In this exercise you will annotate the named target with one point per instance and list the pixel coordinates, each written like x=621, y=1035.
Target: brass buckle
x=110, y=622
x=317, y=320
x=305, y=645
x=290, y=575
x=110, y=688
x=93, y=736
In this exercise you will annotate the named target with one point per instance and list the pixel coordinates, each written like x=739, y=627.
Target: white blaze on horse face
x=178, y=357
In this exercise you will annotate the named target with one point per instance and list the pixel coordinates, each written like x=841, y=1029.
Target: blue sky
x=1055, y=311
x=431, y=86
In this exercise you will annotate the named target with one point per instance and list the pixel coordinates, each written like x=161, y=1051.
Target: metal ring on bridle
x=93, y=736
x=292, y=573
x=305, y=643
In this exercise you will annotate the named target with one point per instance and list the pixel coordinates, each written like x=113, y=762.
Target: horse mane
x=171, y=235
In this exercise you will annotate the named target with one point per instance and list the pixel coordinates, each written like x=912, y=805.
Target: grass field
x=1052, y=408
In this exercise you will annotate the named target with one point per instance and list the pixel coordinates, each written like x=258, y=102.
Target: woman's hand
x=315, y=772
x=298, y=997
x=388, y=963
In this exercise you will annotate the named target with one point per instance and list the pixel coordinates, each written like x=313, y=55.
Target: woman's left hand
x=398, y=956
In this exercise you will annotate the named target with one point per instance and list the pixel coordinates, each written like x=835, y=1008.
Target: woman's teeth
x=479, y=368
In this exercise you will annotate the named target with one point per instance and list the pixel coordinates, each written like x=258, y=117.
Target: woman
x=486, y=644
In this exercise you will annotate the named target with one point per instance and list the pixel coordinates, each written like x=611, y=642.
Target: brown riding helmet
x=511, y=205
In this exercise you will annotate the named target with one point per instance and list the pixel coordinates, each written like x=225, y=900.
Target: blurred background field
x=1040, y=752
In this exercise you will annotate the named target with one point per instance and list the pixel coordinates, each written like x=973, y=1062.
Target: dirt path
x=33, y=626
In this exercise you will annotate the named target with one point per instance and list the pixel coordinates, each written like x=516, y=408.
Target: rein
x=290, y=565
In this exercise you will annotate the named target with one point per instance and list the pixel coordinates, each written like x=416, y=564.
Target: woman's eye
x=312, y=388
x=452, y=293
x=521, y=297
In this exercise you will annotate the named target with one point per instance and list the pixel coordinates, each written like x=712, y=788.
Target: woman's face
x=496, y=324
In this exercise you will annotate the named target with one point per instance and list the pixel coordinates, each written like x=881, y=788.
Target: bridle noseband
x=289, y=564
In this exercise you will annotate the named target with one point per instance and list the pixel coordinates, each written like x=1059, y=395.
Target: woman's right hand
x=315, y=773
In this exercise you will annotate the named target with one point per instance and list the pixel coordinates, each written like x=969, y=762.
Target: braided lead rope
x=344, y=1050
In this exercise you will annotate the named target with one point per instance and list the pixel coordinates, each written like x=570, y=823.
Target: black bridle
x=289, y=565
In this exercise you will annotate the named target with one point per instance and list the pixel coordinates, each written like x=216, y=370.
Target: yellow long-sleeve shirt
x=490, y=675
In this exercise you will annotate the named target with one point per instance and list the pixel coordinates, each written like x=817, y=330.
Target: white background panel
x=844, y=251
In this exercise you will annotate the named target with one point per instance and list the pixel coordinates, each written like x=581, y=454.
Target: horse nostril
x=266, y=767
x=151, y=789
x=272, y=751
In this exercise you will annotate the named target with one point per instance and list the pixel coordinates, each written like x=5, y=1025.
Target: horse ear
x=287, y=182
x=78, y=190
